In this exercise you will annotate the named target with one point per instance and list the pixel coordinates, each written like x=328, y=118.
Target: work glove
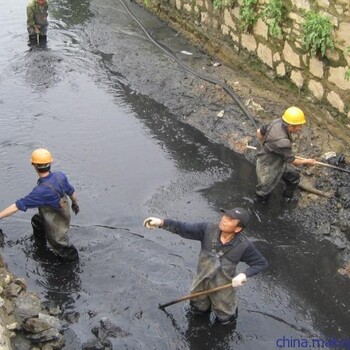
x=153, y=222
x=75, y=208
x=239, y=280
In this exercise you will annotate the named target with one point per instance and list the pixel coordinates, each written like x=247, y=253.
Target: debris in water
x=328, y=155
x=187, y=53
x=107, y=329
x=221, y=113
x=345, y=271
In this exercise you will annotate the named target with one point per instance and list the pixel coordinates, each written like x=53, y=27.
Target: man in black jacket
x=223, y=246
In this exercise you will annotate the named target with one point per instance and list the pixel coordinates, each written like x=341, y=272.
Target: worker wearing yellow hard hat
x=294, y=116
x=275, y=155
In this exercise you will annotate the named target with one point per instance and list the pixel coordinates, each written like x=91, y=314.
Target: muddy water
x=129, y=158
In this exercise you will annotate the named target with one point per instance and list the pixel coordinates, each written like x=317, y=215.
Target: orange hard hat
x=41, y=156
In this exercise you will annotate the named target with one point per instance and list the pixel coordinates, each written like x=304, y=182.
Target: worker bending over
x=275, y=154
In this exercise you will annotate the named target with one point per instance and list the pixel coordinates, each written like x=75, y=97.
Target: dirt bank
x=262, y=91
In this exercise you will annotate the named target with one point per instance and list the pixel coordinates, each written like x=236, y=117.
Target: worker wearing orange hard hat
x=50, y=196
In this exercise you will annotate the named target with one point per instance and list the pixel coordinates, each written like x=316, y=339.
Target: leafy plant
x=317, y=34
x=347, y=73
x=219, y=4
x=248, y=14
x=272, y=15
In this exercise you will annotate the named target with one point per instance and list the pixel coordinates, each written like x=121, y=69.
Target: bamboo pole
x=195, y=295
x=317, y=162
x=303, y=186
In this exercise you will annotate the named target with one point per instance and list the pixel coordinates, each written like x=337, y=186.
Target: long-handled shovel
x=195, y=295
x=328, y=165
x=318, y=163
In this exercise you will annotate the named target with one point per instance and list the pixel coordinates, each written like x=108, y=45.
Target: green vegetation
x=347, y=73
x=219, y=4
x=317, y=34
x=272, y=15
x=248, y=14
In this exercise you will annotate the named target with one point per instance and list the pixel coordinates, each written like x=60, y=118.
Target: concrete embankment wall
x=285, y=56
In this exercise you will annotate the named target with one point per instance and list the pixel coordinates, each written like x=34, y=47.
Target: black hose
x=207, y=78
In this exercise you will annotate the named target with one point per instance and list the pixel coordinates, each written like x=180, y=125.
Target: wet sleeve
x=254, y=259
x=186, y=229
x=282, y=147
x=47, y=8
x=67, y=187
x=287, y=154
x=290, y=159
x=263, y=130
x=30, y=16
x=34, y=199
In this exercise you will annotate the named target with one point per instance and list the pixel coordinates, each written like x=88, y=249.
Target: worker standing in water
x=223, y=246
x=275, y=155
x=37, y=23
x=50, y=197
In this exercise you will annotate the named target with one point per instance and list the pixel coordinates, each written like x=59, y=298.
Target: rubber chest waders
x=55, y=224
x=215, y=269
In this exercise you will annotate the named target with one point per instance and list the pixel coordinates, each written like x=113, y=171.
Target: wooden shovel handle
x=195, y=295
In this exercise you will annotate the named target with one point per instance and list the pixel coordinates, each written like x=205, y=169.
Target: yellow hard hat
x=41, y=156
x=294, y=116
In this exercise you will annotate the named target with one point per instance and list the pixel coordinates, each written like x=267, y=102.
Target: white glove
x=239, y=280
x=153, y=222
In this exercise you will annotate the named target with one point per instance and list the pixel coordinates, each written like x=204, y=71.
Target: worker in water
x=37, y=23
x=275, y=155
x=50, y=197
x=223, y=246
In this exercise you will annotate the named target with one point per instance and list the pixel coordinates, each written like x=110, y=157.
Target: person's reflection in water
x=202, y=333
x=59, y=278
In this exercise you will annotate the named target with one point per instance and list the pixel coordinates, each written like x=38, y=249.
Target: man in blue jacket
x=223, y=246
x=50, y=197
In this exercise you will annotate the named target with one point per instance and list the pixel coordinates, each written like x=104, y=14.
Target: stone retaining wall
x=323, y=78
x=24, y=321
